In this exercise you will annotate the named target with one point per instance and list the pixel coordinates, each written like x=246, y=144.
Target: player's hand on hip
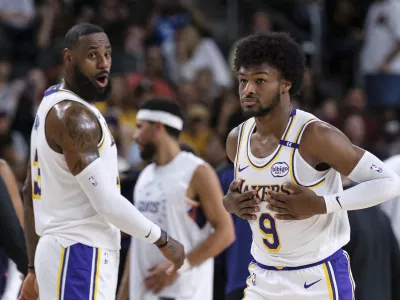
x=244, y=205
x=175, y=253
x=157, y=279
x=29, y=289
x=302, y=203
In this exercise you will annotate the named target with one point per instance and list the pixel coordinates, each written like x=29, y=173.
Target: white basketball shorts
x=78, y=272
x=329, y=279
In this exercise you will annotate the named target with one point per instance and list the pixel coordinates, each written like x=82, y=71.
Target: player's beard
x=148, y=152
x=263, y=110
x=87, y=90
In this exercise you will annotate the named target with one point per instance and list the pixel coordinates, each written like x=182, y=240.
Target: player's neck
x=68, y=84
x=167, y=151
x=275, y=122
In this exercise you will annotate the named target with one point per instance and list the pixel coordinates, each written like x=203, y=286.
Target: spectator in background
x=16, y=20
x=195, y=53
x=380, y=57
x=10, y=91
x=260, y=22
x=197, y=131
x=13, y=147
x=153, y=72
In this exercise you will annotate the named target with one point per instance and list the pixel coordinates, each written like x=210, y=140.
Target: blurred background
x=184, y=49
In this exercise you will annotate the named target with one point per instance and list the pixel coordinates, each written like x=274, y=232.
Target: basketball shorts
x=78, y=272
x=330, y=279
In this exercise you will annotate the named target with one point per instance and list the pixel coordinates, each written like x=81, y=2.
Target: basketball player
x=76, y=207
x=288, y=185
x=181, y=193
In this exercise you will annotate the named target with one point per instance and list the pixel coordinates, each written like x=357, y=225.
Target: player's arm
x=244, y=205
x=231, y=143
x=377, y=182
x=206, y=185
x=123, y=290
x=322, y=143
x=31, y=237
x=77, y=132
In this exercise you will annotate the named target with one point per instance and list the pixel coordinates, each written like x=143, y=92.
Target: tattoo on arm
x=81, y=132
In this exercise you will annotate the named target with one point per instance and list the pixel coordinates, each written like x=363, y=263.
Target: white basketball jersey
x=160, y=194
x=289, y=243
x=61, y=207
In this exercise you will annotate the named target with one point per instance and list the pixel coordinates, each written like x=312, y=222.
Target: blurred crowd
x=184, y=50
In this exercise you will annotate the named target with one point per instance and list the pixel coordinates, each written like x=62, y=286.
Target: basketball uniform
x=77, y=255
x=294, y=260
x=160, y=194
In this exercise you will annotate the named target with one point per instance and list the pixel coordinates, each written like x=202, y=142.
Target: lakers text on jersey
x=280, y=246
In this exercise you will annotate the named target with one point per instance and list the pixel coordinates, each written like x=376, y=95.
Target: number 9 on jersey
x=267, y=227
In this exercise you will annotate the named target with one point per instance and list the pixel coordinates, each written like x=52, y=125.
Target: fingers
x=248, y=217
x=292, y=187
x=276, y=203
x=172, y=269
x=284, y=216
x=247, y=195
x=234, y=186
x=277, y=209
x=278, y=196
x=249, y=203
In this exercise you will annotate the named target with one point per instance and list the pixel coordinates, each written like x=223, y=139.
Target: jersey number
x=36, y=185
x=267, y=227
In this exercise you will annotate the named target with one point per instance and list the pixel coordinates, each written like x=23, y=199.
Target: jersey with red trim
x=61, y=207
x=281, y=243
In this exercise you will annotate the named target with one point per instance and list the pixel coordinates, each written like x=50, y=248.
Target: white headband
x=160, y=116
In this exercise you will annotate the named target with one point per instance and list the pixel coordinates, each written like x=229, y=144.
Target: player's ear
x=67, y=56
x=285, y=86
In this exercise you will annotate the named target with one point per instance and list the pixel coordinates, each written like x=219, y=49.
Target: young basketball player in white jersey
x=76, y=207
x=182, y=194
x=288, y=185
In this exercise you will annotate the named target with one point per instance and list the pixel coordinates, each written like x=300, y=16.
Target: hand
x=175, y=253
x=157, y=279
x=301, y=204
x=30, y=288
x=383, y=68
x=244, y=205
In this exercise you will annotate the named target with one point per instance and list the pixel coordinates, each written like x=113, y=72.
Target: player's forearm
x=115, y=208
x=123, y=291
x=218, y=241
x=377, y=183
x=31, y=237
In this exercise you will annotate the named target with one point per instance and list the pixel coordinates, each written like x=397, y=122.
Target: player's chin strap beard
x=275, y=101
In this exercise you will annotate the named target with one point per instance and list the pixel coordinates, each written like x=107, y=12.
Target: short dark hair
x=277, y=49
x=78, y=31
x=167, y=105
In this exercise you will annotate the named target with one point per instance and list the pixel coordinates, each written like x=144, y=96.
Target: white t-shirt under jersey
x=289, y=243
x=61, y=207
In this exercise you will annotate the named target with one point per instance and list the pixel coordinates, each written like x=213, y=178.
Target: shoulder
x=71, y=120
x=320, y=133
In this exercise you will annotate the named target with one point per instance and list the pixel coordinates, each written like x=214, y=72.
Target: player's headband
x=160, y=116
